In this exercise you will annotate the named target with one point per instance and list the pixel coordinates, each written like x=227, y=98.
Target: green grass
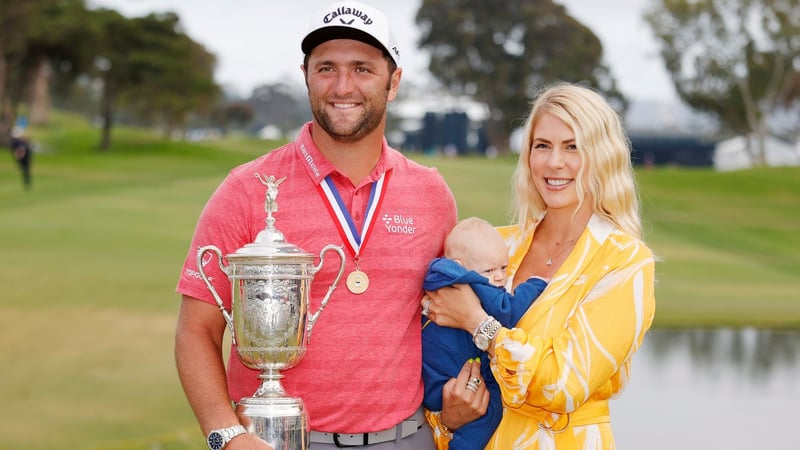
x=730, y=244
x=91, y=256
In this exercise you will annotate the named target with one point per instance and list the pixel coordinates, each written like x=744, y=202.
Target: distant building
x=436, y=124
x=733, y=154
x=451, y=133
x=659, y=150
x=660, y=134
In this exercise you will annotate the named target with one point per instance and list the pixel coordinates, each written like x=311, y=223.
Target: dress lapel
x=568, y=285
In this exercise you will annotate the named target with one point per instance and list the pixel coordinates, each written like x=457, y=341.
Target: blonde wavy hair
x=606, y=172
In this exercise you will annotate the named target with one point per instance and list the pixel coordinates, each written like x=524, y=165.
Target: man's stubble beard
x=369, y=121
x=366, y=124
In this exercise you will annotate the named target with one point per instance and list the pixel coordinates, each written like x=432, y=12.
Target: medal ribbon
x=341, y=215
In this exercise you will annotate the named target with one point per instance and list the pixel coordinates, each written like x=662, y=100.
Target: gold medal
x=357, y=282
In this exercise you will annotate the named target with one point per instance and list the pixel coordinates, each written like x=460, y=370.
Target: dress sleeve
x=441, y=436
x=561, y=370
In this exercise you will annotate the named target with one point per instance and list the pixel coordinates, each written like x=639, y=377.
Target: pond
x=712, y=389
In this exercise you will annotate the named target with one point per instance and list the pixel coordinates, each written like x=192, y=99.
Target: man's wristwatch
x=218, y=439
x=484, y=333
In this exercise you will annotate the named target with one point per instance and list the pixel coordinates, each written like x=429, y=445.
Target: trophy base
x=280, y=421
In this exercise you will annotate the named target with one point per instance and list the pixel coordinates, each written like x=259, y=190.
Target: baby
x=475, y=254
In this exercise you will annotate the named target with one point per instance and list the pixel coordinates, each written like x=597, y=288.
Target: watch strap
x=491, y=329
x=485, y=331
x=228, y=433
x=482, y=325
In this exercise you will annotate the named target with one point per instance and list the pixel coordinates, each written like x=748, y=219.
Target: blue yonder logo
x=398, y=224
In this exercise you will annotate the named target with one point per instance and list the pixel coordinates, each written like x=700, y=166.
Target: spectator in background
x=22, y=151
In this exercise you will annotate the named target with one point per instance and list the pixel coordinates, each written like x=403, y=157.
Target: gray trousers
x=421, y=440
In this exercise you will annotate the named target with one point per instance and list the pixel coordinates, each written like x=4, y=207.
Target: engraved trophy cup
x=270, y=322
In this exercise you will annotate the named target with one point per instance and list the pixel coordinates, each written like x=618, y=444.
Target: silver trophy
x=270, y=322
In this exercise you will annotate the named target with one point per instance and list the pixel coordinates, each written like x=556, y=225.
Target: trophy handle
x=202, y=251
x=312, y=318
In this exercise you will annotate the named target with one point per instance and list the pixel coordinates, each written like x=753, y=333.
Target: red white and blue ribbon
x=348, y=231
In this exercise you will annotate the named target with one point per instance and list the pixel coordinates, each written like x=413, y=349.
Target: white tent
x=732, y=154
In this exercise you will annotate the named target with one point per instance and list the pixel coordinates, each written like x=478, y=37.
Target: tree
x=238, y=114
x=738, y=60
x=14, y=17
x=150, y=64
x=147, y=64
x=183, y=85
x=36, y=37
x=55, y=50
x=501, y=53
x=281, y=105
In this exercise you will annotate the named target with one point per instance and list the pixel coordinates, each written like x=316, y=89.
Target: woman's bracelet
x=444, y=430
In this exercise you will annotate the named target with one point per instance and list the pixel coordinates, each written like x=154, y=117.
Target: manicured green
x=91, y=256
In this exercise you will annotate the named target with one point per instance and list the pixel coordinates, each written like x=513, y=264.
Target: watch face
x=215, y=441
x=481, y=342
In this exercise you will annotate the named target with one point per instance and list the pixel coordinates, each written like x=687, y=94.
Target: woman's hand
x=455, y=307
x=464, y=398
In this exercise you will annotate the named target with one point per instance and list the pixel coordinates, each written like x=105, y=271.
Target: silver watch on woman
x=218, y=439
x=484, y=333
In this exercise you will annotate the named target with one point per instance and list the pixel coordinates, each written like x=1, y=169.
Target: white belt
x=400, y=431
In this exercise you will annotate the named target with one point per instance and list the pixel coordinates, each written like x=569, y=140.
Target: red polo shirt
x=362, y=368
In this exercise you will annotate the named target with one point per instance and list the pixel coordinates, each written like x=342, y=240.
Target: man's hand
x=248, y=441
x=460, y=404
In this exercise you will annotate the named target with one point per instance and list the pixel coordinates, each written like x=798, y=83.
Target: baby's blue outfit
x=445, y=350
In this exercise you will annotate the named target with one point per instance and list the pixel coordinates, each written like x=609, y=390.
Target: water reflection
x=712, y=389
x=753, y=353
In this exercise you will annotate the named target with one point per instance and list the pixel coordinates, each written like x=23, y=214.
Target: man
x=23, y=154
x=360, y=379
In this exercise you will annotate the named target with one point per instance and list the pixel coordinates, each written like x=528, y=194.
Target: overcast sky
x=258, y=41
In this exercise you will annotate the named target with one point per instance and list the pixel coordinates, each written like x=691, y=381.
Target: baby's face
x=496, y=275
x=490, y=259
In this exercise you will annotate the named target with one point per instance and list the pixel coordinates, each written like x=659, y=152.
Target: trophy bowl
x=270, y=323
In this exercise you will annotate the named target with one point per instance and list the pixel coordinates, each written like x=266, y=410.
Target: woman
x=578, y=226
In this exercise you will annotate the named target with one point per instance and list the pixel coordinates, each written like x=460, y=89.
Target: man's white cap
x=351, y=20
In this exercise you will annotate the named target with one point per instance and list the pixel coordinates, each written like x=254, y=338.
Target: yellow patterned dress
x=572, y=350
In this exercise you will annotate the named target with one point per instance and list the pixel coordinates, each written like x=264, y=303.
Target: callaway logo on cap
x=351, y=20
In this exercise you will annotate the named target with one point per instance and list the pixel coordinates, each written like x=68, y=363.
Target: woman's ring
x=426, y=304
x=476, y=380
x=472, y=386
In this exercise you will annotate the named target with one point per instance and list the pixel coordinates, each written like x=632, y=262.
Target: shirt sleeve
x=223, y=223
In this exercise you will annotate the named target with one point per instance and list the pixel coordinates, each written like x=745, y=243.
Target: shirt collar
x=318, y=166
